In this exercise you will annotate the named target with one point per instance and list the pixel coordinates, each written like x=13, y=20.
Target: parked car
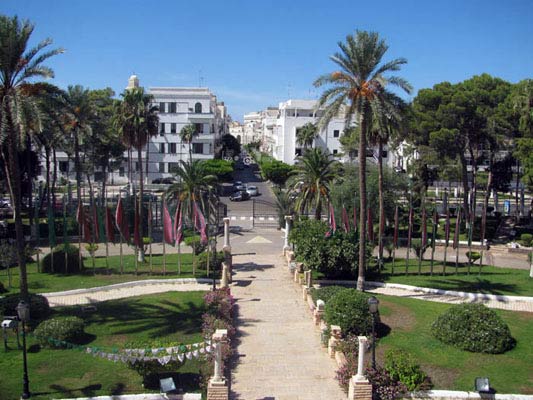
x=239, y=186
x=165, y=181
x=252, y=190
x=239, y=196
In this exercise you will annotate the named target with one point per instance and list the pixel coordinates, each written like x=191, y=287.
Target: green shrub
x=473, y=256
x=59, y=267
x=473, y=327
x=39, y=307
x=201, y=261
x=349, y=310
x=526, y=239
x=325, y=293
x=349, y=346
x=402, y=368
x=195, y=243
x=54, y=332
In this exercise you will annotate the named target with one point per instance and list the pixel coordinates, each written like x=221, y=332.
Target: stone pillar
x=225, y=273
x=308, y=275
x=319, y=312
x=296, y=275
x=217, y=388
x=286, y=246
x=360, y=388
x=226, y=246
x=336, y=335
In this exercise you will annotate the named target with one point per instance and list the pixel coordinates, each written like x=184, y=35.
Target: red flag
x=137, y=240
x=122, y=221
x=95, y=225
x=410, y=227
x=109, y=230
x=178, y=224
x=370, y=225
x=167, y=225
x=199, y=223
x=345, y=221
x=456, y=234
x=424, y=228
x=396, y=222
x=447, y=228
x=332, y=222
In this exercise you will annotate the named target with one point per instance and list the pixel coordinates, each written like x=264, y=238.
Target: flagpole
x=149, y=215
x=394, y=238
x=409, y=230
x=93, y=236
x=446, y=239
x=179, y=258
x=435, y=223
x=107, y=235
x=135, y=229
x=422, y=238
x=457, y=231
x=65, y=231
x=40, y=194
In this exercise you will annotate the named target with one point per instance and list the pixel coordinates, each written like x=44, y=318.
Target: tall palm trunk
x=141, y=191
x=14, y=182
x=362, y=198
x=381, y=205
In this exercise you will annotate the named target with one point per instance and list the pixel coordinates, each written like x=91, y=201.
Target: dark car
x=239, y=196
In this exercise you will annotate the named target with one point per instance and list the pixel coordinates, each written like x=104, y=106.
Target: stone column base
x=359, y=389
x=217, y=390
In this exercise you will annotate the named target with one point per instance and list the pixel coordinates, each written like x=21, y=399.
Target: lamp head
x=23, y=311
x=373, y=303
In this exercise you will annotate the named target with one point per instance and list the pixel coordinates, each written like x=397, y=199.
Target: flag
x=424, y=228
x=395, y=238
x=199, y=223
x=178, y=224
x=345, y=221
x=101, y=224
x=168, y=237
x=51, y=228
x=109, y=229
x=122, y=221
x=456, y=234
x=410, y=227
x=82, y=222
x=447, y=228
x=355, y=217
x=137, y=240
x=332, y=222
x=370, y=225
x=96, y=228
x=435, y=226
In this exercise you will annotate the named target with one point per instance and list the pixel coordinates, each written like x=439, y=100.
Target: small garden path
x=278, y=347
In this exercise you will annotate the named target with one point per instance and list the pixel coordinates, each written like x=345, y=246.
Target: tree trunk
x=362, y=199
x=381, y=205
x=77, y=168
x=14, y=182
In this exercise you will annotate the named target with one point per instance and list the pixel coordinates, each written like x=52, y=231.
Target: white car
x=252, y=190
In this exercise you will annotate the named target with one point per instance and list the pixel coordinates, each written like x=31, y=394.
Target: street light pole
x=23, y=311
x=373, y=307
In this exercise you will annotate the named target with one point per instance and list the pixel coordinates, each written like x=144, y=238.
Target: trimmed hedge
x=325, y=293
x=39, y=307
x=349, y=309
x=54, y=332
x=473, y=327
x=59, y=266
x=402, y=368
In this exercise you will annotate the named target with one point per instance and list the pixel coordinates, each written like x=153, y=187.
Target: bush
x=473, y=256
x=345, y=373
x=219, y=304
x=473, y=327
x=39, y=307
x=201, y=261
x=59, y=267
x=526, y=239
x=402, y=367
x=349, y=309
x=325, y=293
x=349, y=346
x=55, y=332
x=384, y=387
x=195, y=243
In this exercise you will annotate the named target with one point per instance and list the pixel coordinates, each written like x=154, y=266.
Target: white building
x=252, y=127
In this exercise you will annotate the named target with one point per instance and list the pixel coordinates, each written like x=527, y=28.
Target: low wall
x=457, y=395
x=145, y=396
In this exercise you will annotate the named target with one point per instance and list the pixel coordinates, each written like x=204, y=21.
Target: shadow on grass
x=87, y=391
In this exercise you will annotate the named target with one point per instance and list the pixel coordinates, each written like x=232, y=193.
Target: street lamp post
x=373, y=308
x=23, y=311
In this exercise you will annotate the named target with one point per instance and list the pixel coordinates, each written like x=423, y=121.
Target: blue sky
x=253, y=54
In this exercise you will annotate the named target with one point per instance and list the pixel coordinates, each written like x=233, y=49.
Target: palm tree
x=18, y=66
x=187, y=134
x=359, y=82
x=137, y=122
x=312, y=176
x=306, y=135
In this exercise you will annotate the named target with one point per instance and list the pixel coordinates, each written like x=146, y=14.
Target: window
x=121, y=171
x=335, y=151
x=199, y=128
x=162, y=108
x=162, y=148
x=336, y=133
x=198, y=148
x=172, y=148
x=298, y=152
x=162, y=128
x=172, y=108
x=63, y=166
x=173, y=167
x=162, y=167
x=198, y=108
x=172, y=126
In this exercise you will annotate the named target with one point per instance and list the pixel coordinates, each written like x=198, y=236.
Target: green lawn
x=102, y=275
x=172, y=316
x=448, y=367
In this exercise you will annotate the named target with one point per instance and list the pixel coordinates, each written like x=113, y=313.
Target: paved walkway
x=278, y=347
